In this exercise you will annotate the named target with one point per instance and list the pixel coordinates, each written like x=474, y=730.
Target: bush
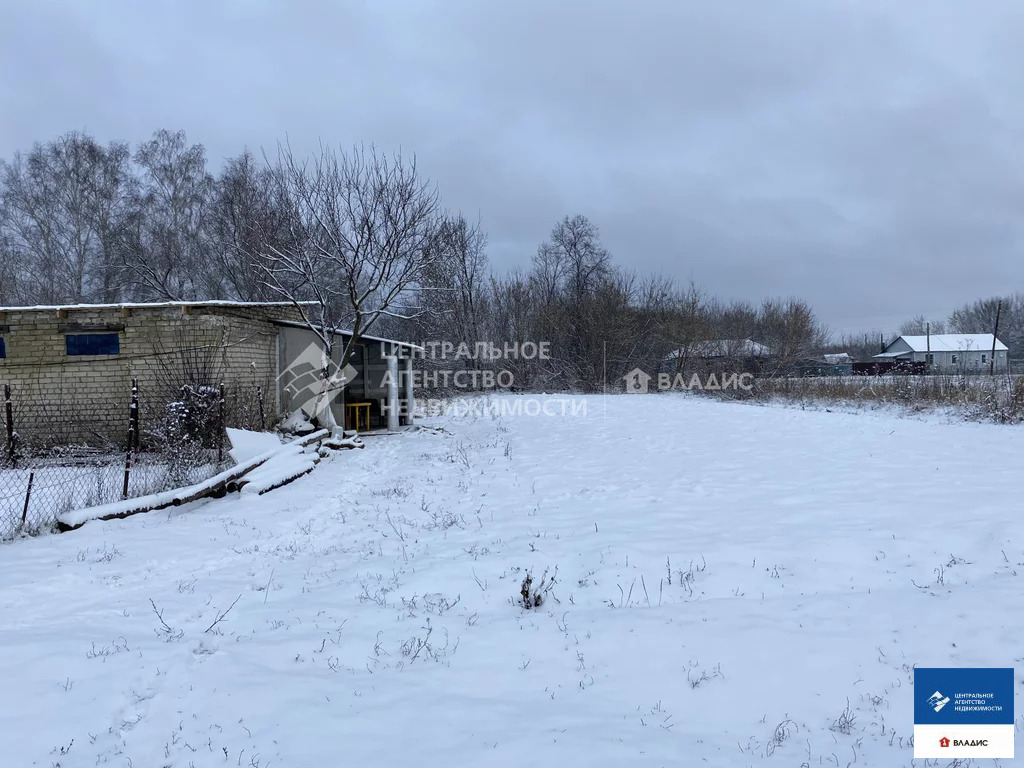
x=533, y=595
x=186, y=432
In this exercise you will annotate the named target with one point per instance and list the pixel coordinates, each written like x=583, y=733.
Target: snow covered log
x=215, y=487
x=348, y=442
x=280, y=470
x=287, y=466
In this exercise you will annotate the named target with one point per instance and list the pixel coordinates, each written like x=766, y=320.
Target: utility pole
x=928, y=345
x=995, y=331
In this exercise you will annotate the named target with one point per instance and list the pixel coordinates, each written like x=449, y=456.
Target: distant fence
x=997, y=398
x=894, y=368
x=55, y=458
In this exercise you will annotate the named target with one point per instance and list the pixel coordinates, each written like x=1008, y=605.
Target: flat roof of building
x=343, y=332
x=152, y=305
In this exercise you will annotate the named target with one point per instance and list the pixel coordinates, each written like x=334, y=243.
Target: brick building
x=70, y=368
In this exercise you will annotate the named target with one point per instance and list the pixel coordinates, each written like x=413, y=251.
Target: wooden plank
x=216, y=490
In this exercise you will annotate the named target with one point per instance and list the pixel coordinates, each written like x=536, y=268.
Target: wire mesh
x=60, y=456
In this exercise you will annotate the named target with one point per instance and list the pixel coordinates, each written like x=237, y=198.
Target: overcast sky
x=868, y=156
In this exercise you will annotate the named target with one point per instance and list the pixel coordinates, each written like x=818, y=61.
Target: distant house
x=735, y=348
x=838, y=358
x=742, y=355
x=947, y=352
x=720, y=349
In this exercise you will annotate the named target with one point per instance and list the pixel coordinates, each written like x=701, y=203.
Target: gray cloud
x=864, y=155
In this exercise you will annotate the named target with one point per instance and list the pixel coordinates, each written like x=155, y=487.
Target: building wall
x=971, y=360
x=899, y=346
x=86, y=398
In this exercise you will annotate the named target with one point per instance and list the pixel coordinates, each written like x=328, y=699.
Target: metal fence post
x=12, y=452
x=221, y=425
x=28, y=496
x=133, y=436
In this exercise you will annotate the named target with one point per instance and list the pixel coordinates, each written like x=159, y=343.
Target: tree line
x=359, y=239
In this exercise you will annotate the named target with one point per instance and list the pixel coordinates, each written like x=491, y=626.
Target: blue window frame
x=93, y=344
x=3, y=349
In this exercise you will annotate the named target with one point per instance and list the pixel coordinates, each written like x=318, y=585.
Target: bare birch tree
x=62, y=212
x=454, y=290
x=686, y=327
x=250, y=214
x=167, y=253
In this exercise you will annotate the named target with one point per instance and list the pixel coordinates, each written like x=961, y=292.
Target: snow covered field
x=735, y=585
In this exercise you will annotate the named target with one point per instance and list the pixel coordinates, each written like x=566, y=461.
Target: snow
x=368, y=610
x=287, y=464
x=297, y=424
x=246, y=445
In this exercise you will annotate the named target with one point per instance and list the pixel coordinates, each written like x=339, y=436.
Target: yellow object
x=354, y=409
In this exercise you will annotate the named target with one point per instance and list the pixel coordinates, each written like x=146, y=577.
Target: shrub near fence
x=57, y=458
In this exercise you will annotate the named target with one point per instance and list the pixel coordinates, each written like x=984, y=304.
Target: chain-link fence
x=60, y=455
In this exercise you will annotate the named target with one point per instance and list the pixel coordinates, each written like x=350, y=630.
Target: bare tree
x=11, y=291
x=572, y=259
x=62, y=212
x=454, y=285
x=791, y=330
x=920, y=325
x=250, y=214
x=686, y=326
x=576, y=286
x=167, y=255
x=513, y=321
x=860, y=346
x=358, y=247
x=980, y=317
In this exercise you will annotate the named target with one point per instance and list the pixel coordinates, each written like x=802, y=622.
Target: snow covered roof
x=732, y=348
x=151, y=305
x=894, y=354
x=952, y=342
x=837, y=357
x=342, y=332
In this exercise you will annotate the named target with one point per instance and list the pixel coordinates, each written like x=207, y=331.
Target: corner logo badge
x=305, y=385
x=963, y=713
x=937, y=701
x=637, y=382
